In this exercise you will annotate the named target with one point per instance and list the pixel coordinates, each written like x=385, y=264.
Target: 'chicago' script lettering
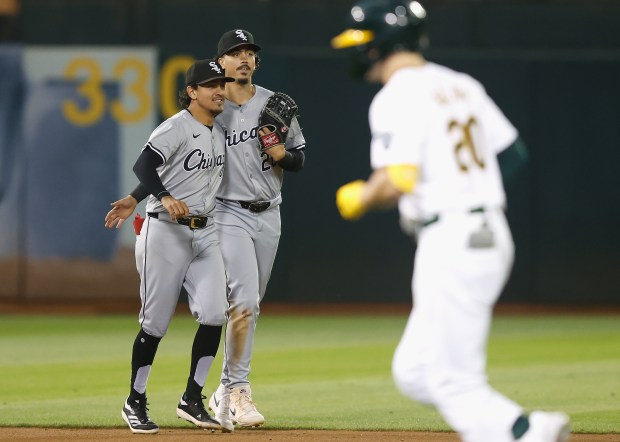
x=196, y=160
x=241, y=137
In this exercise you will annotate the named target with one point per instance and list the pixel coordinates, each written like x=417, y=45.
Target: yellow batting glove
x=349, y=200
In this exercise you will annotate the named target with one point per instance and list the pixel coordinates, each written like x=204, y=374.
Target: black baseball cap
x=204, y=71
x=235, y=38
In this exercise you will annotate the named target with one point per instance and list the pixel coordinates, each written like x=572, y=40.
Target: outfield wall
x=554, y=67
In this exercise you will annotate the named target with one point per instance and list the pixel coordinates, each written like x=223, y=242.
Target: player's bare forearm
x=379, y=192
x=358, y=197
x=121, y=210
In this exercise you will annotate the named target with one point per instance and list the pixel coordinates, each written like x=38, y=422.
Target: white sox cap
x=235, y=38
x=204, y=71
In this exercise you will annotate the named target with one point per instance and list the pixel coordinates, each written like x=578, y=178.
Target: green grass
x=322, y=372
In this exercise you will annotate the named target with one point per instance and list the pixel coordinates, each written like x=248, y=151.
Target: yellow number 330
x=91, y=90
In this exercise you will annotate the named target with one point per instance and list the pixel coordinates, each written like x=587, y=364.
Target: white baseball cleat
x=219, y=403
x=242, y=409
x=547, y=427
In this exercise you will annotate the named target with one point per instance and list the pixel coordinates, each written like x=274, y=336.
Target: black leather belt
x=435, y=218
x=193, y=222
x=252, y=206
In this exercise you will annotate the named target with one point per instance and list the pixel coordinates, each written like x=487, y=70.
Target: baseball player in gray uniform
x=247, y=217
x=181, y=167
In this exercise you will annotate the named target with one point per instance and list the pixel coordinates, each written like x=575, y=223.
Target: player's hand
x=276, y=152
x=121, y=210
x=176, y=208
x=349, y=200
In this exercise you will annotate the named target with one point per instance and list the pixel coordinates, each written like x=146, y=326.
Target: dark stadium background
x=552, y=66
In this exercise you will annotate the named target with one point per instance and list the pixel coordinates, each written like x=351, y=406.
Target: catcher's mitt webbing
x=275, y=120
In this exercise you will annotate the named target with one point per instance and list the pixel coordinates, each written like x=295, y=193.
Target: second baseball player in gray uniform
x=248, y=218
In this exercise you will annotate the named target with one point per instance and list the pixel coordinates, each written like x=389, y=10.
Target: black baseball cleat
x=136, y=415
x=194, y=411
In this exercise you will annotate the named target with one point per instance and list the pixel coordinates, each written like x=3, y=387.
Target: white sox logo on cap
x=215, y=67
x=233, y=39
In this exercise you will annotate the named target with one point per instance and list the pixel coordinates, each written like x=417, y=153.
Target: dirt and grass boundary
x=102, y=306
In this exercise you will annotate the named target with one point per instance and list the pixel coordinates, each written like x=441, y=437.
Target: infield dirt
x=258, y=435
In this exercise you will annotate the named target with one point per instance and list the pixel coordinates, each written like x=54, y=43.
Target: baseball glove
x=275, y=120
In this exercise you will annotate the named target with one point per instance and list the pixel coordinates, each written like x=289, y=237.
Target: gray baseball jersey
x=170, y=255
x=193, y=165
x=250, y=174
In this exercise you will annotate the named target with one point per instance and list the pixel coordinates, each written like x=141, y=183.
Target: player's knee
x=243, y=307
x=157, y=331
x=211, y=317
x=412, y=379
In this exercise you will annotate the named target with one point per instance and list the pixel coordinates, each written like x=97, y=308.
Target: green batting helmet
x=377, y=28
